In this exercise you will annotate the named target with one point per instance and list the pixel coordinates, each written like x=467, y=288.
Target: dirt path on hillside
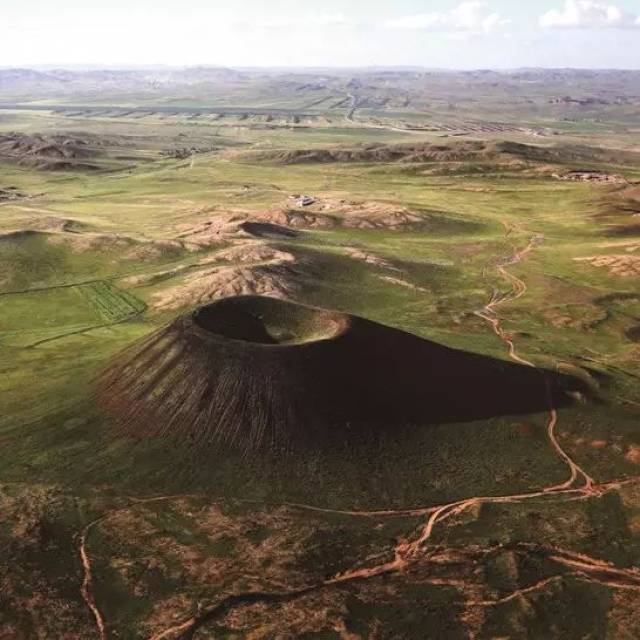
x=407, y=552
x=489, y=313
x=581, y=566
x=87, y=582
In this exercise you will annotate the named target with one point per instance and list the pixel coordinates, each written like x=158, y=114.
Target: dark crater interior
x=268, y=321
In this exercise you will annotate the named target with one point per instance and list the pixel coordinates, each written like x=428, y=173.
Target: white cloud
x=472, y=16
x=589, y=14
x=306, y=21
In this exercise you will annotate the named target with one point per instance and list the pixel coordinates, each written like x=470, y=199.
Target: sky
x=460, y=34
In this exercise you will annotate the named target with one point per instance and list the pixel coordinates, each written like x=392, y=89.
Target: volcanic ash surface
x=262, y=375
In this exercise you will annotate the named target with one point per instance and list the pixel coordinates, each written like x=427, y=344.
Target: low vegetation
x=453, y=323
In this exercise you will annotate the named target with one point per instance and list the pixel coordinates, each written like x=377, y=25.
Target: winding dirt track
x=87, y=581
x=406, y=552
x=518, y=288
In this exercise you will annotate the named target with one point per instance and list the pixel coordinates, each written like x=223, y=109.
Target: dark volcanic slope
x=258, y=374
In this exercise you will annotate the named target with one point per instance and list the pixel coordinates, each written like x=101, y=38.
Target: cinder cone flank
x=259, y=374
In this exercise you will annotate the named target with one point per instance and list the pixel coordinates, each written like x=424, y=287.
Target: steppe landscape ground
x=497, y=214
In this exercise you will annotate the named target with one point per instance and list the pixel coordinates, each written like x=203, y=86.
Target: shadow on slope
x=259, y=375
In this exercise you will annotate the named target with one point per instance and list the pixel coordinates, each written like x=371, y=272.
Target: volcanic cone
x=259, y=374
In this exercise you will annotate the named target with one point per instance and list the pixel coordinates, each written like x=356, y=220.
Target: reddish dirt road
x=490, y=315
x=406, y=552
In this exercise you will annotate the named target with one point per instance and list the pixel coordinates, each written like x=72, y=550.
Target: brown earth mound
x=619, y=265
x=287, y=223
x=268, y=271
x=370, y=153
x=420, y=152
x=278, y=280
x=335, y=212
x=253, y=252
x=359, y=214
x=213, y=231
x=296, y=219
x=261, y=375
x=230, y=225
x=380, y=218
x=56, y=152
x=460, y=151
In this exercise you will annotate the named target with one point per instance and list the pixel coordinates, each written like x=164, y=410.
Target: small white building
x=305, y=201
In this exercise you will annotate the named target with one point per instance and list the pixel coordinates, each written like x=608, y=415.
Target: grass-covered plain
x=86, y=257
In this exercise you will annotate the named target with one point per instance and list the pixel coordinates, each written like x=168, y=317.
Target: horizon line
x=68, y=66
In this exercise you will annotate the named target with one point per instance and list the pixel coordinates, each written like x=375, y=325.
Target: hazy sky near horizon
x=437, y=33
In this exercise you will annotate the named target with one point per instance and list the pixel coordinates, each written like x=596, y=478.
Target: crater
x=268, y=321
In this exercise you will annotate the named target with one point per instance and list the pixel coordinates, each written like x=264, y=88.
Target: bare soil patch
x=620, y=265
x=278, y=280
x=254, y=252
x=296, y=219
x=633, y=454
x=358, y=214
x=250, y=253
x=57, y=152
x=581, y=316
x=587, y=175
x=213, y=231
x=286, y=222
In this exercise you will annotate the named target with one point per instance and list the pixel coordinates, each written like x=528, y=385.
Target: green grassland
x=67, y=306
